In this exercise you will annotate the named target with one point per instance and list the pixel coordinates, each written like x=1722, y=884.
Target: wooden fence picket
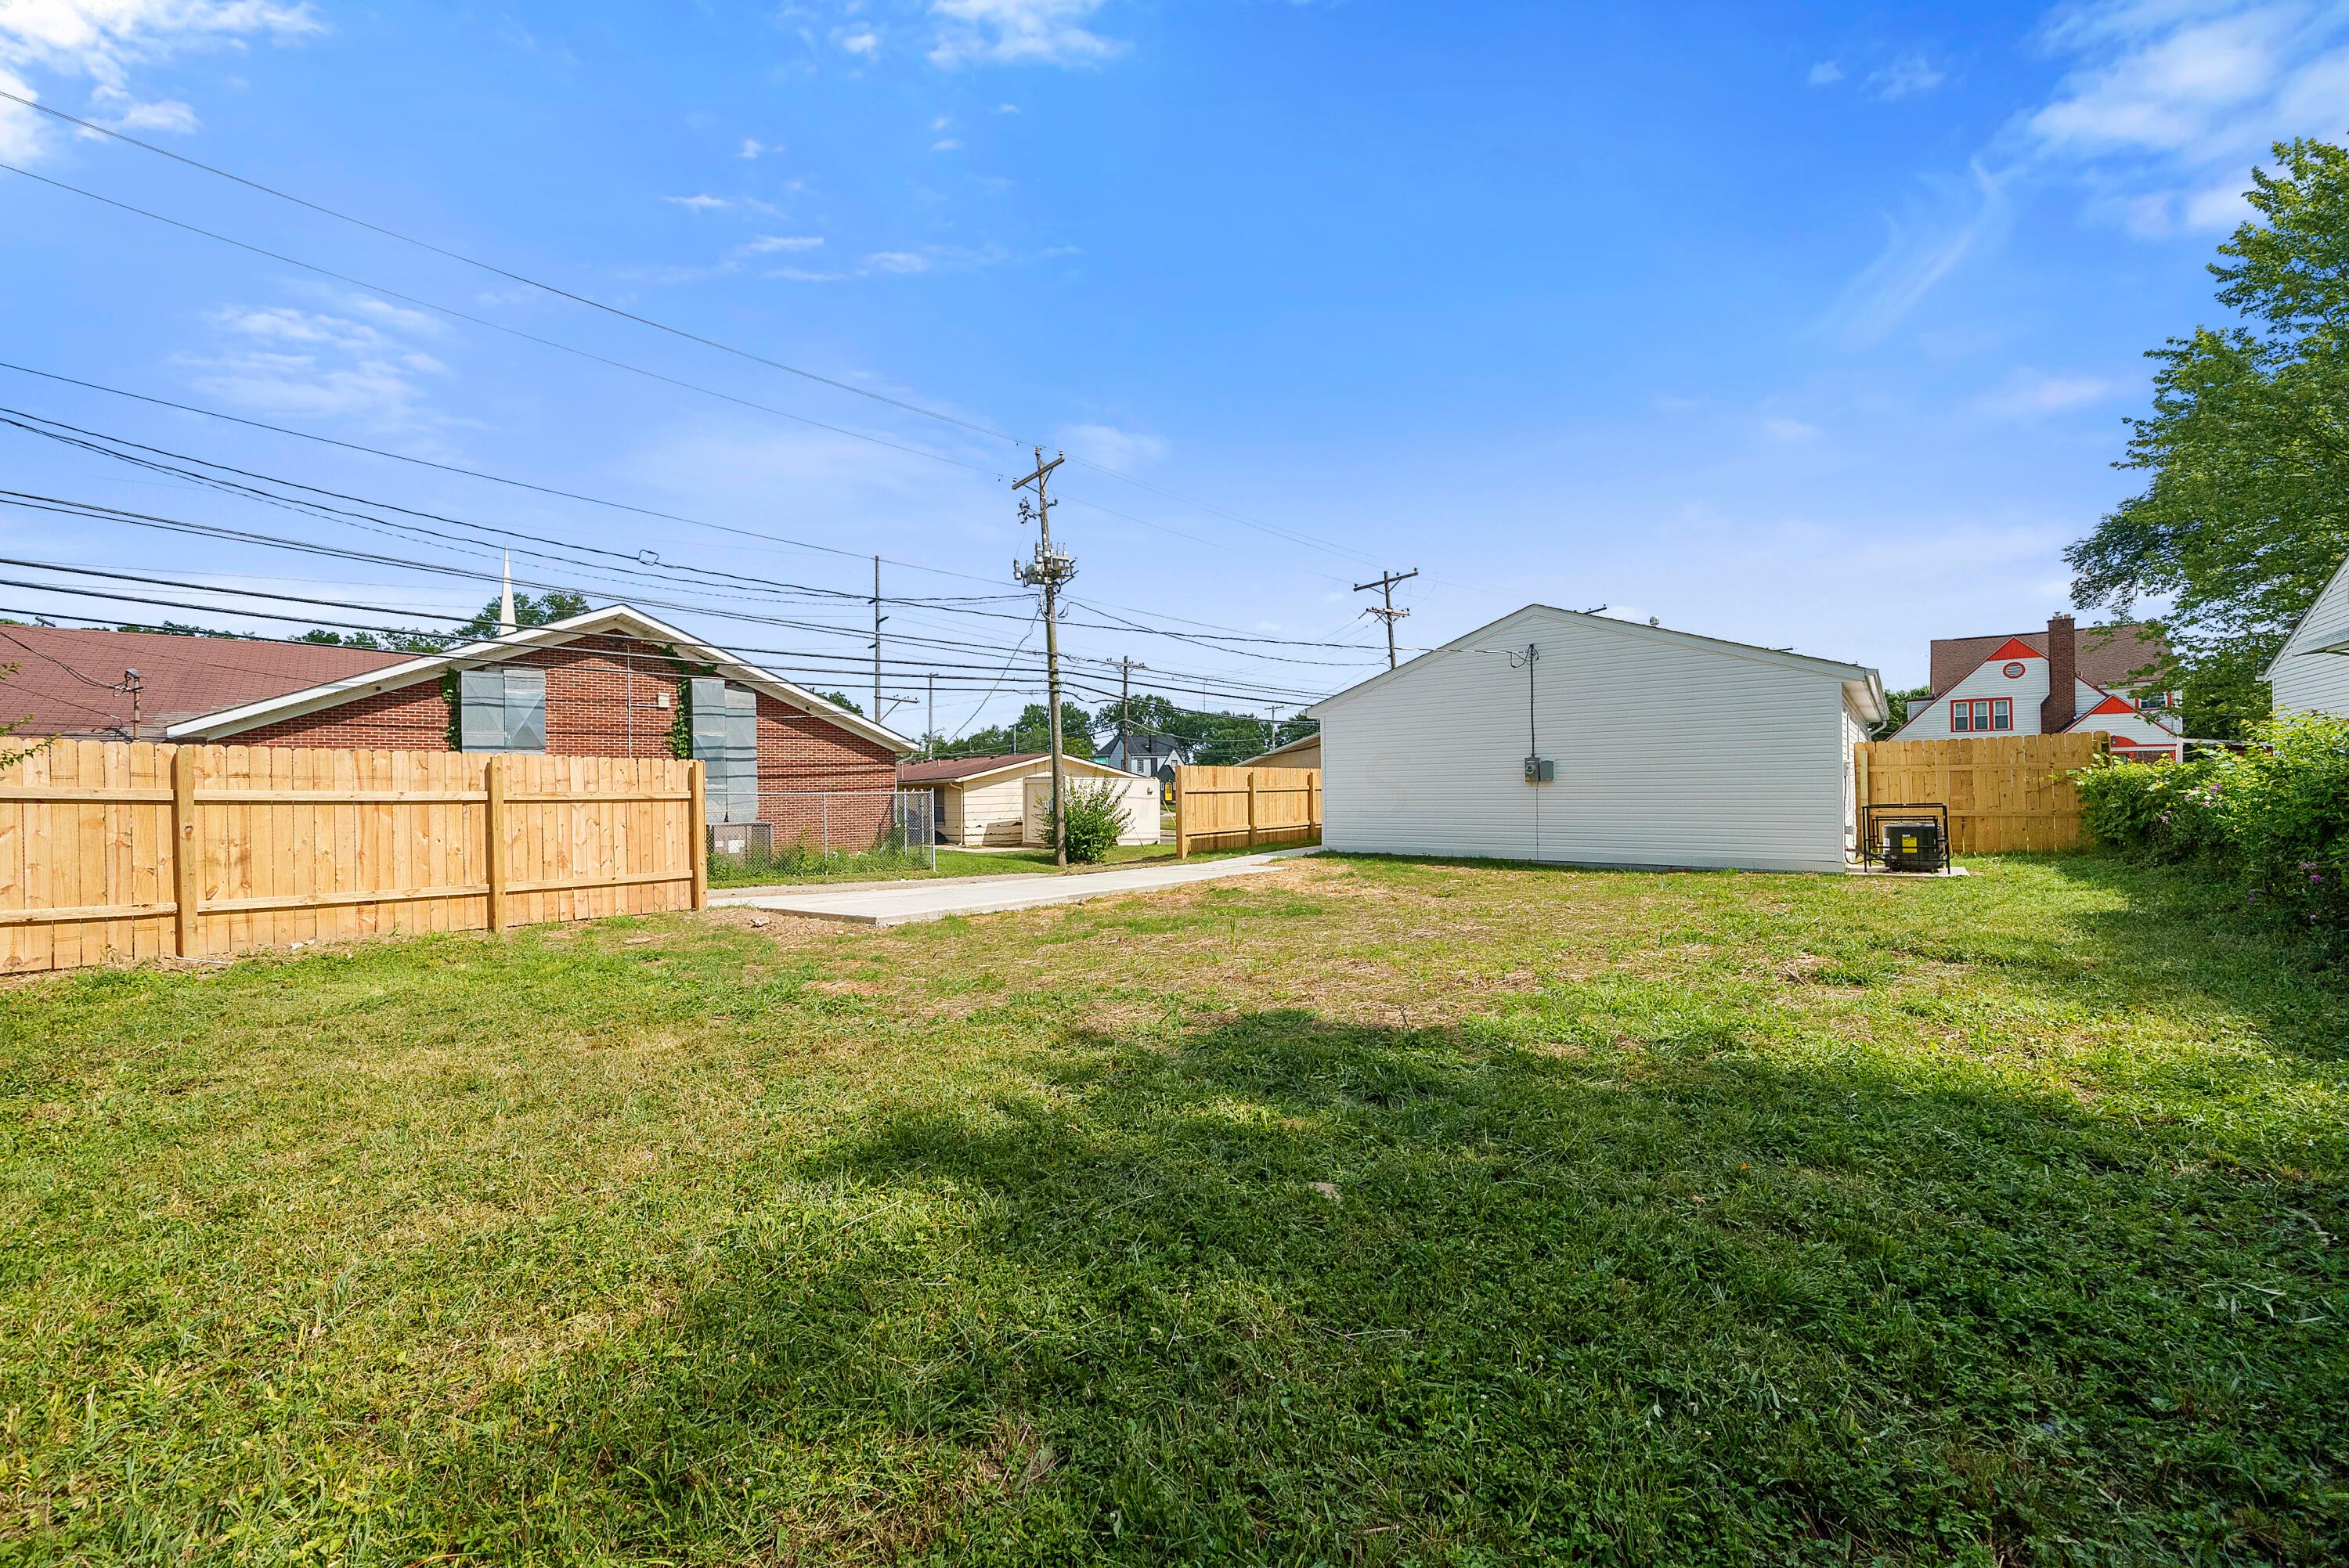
x=113, y=852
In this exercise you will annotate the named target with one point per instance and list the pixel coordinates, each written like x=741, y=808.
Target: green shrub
x=1096, y=818
x=2275, y=816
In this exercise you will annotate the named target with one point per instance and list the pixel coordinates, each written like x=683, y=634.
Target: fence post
x=1182, y=816
x=697, y=775
x=493, y=838
x=1251, y=793
x=187, y=852
x=1313, y=803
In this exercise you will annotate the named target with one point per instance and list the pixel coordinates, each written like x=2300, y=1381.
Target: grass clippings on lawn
x=1367, y=1212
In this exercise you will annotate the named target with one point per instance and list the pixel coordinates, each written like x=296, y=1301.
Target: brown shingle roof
x=2107, y=654
x=63, y=674
x=947, y=768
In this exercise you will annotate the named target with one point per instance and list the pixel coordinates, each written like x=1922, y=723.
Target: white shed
x=1005, y=800
x=1556, y=736
x=2311, y=671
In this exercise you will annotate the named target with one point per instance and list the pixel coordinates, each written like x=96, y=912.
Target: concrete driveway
x=902, y=903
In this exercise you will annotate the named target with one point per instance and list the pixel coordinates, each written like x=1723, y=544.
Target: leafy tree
x=1896, y=710
x=2246, y=514
x=1219, y=739
x=841, y=699
x=556, y=604
x=1031, y=731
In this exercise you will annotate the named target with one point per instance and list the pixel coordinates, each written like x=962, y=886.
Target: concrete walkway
x=902, y=903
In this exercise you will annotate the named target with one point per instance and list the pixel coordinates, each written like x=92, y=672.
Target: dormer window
x=1980, y=715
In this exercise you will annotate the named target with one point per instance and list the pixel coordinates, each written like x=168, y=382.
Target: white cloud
x=1903, y=77
x=2166, y=106
x=2030, y=395
x=897, y=262
x=860, y=41
x=168, y=114
x=1922, y=248
x=770, y=245
x=699, y=203
x=941, y=122
x=945, y=144
x=105, y=41
x=1783, y=428
x=1020, y=32
x=1827, y=73
x=1007, y=109
x=20, y=127
x=350, y=362
x=1125, y=451
x=751, y=148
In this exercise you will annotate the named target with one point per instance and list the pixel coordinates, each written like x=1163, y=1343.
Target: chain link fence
x=830, y=833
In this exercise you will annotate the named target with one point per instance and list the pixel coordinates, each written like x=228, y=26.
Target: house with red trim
x=2017, y=689
x=613, y=682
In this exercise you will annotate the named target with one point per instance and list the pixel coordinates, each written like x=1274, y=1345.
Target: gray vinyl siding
x=1667, y=755
x=2313, y=682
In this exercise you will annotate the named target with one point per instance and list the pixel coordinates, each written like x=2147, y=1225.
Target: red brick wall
x=589, y=685
x=412, y=719
x=807, y=771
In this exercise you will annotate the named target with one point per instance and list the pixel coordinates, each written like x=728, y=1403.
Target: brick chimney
x=2063, y=704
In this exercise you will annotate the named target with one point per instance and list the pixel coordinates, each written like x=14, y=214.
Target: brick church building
x=613, y=682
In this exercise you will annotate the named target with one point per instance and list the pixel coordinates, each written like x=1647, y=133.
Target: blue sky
x=1807, y=326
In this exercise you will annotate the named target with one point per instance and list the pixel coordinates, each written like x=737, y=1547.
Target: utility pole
x=1048, y=571
x=877, y=618
x=133, y=682
x=1385, y=583
x=930, y=730
x=1125, y=668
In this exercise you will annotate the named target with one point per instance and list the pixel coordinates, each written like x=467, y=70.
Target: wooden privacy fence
x=2004, y=791
x=1216, y=808
x=111, y=851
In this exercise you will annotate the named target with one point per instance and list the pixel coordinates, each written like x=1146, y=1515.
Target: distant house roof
x=962, y=769
x=947, y=770
x=2107, y=655
x=64, y=673
x=396, y=670
x=1277, y=754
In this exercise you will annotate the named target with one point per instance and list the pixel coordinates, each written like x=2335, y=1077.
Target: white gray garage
x=1552, y=735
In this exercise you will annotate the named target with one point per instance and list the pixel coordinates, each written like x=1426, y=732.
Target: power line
x=1101, y=606
x=991, y=433
x=846, y=660
x=34, y=501
x=456, y=314
x=469, y=473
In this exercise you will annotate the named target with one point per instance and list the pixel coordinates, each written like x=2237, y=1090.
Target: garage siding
x=1667, y=754
x=2308, y=681
x=991, y=811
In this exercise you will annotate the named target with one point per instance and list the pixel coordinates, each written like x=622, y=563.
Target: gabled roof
x=1860, y=683
x=2337, y=583
x=968, y=769
x=1299, y=744
x=68, y=679
x=2105, y=655
x=619, y=619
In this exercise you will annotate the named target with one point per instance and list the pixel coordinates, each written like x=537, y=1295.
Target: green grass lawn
x=1366, y=1212
x=726, y=872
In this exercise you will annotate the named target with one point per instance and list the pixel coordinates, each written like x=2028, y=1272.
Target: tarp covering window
x=726, y=737
x=501, y=708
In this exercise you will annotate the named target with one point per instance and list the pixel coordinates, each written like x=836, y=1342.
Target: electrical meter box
x=1541, y=771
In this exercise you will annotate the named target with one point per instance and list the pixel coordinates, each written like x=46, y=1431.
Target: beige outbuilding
x=1004, y=801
